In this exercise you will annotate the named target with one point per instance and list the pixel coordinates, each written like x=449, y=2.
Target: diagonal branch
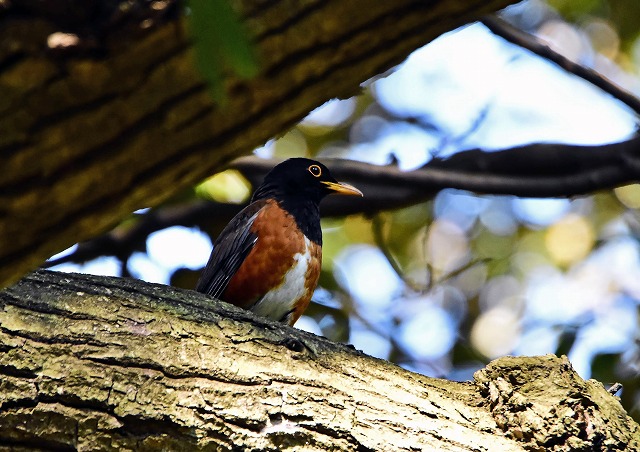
x=527, y=41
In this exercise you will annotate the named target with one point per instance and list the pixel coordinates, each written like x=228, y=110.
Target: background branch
x=504, y=29
x=537, y=170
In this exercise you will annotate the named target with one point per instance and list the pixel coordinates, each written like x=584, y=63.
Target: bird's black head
x=301, y=179
x=299, y=185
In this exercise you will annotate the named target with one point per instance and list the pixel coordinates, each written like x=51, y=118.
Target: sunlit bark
x=92, y=363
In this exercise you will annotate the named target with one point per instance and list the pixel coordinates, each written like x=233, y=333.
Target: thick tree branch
x=106, y=363
x=121, y=120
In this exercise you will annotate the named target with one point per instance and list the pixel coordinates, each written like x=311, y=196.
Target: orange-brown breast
x=280, y=248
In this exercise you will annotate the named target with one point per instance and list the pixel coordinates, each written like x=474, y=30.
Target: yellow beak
x=343, y=189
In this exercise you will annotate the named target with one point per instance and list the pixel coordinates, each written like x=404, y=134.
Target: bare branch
x=122, y=241
x=536, y=170
x=527, y=41
x=539, y=170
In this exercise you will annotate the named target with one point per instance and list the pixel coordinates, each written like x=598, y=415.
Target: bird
x=268, y=258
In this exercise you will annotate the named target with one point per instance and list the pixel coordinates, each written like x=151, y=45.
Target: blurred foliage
x=468, y=277
x=621, y=14
x=221, y=43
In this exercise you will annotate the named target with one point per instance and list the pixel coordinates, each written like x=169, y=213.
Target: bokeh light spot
x=105, y=265
x=447, y=247
x=429, y=334
x=179, y=246
x=541, y=212
x=604, y=37
x=570, y=239
x=495, y=332
x=228, y=186
x=142, y=267
x=306, y=323
x=563, y=38
x=502, y=291
x=459, y=207
x=538, y=340
x=292, y=144
x=559, y=298
x=367, y=275
x=331, y=114
x=498, y=219
x=362, y=338
x=629, y=195
x=63, y=253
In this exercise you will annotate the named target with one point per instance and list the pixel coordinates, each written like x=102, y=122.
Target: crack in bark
x=337, y=434
x=164, y=426
x=289, y=22
x=52, y=340
x=184, y=374
x=20, y=403
x=131, y=425
x=43, y=308
x=36, y=443
x=13, y=371
x=353, y=34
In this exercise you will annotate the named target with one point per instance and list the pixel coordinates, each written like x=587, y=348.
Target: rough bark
x=92, y=362
x=120, y=119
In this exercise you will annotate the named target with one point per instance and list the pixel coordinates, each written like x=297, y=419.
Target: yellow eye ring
x=315, y=170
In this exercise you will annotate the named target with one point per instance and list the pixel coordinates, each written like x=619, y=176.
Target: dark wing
x=231, y=248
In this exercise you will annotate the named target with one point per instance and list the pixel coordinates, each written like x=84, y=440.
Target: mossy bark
x=121, y=120
x=90, y=363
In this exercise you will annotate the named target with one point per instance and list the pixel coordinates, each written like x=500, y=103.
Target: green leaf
x=220, y=42
x=603, y=367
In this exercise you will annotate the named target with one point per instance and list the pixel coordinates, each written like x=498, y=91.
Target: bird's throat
x=306, y=214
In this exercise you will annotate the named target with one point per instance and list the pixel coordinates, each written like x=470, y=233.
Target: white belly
x=280, y=301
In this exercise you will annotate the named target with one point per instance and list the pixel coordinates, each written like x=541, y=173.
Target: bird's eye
x=315, y=170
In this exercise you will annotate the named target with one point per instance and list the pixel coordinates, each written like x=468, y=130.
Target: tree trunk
x=97, y=124
x=92, y=362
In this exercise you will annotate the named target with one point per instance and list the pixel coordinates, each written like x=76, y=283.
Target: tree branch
x=537, y=170
x=94, y=362
x=527, y=41
x=122, y=241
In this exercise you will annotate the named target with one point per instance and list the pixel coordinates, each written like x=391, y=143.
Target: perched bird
x=267, y=259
